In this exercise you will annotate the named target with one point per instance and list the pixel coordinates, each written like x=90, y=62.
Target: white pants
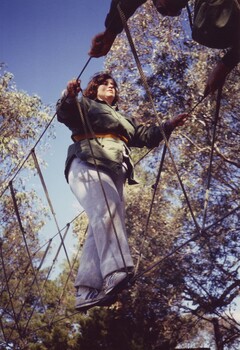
x=103, y=252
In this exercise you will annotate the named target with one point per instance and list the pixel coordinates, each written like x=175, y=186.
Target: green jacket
x=108, y=153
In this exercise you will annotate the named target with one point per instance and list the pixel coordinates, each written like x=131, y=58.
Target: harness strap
x=104, y=135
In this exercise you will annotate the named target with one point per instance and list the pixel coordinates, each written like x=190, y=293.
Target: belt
x=91, y=136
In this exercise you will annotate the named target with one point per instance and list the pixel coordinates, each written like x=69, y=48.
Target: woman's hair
x=99, y=79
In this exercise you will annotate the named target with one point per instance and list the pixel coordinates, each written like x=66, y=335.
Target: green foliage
x=22, y=120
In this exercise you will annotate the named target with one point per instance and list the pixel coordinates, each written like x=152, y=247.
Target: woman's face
x=106, y=91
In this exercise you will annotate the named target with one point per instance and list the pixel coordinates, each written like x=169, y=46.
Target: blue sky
x=45, y=43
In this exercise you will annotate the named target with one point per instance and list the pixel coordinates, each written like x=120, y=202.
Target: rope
x=54, y=236
x=48, y=243
x=67, y=279
x=155, y=111
x=35, y=277
x=11, y=275
x=58, y=251
x=9, y=293
x=52, y=321
x=3, y=332
x=134, y=279
x=29, y=294
x=155, y=189
x=45, y=281
x=222, y=218
x=166, y=145
x=174, y=251
x=151, y=207
x=24, y=331
x=23, y=233
x=189, y=16
x=216, y=117
x=49, y=201
x=21, y=163
x=85, y=66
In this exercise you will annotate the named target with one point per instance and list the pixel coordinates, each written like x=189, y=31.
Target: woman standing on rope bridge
x=98, y=163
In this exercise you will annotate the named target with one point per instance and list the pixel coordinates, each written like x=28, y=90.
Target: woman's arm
x=102, y=42
x=66, y=107
x=151, y=136
x=219, y=73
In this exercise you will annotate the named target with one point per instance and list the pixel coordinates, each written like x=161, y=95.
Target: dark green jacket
x=109, y=153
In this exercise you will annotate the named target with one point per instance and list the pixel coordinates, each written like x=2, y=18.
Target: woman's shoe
x=115, y=282
x=86, y=298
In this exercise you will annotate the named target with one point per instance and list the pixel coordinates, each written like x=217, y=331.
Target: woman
x=98, y=163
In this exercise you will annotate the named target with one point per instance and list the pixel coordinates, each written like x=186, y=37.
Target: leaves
x=22, y=120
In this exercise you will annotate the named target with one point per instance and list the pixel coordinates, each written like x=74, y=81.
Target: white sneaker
x=115, y=282
x=86, y=297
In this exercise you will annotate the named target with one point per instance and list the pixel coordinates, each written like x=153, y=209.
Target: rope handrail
x=52, y=321
x=134, y=279
x=216, y=117
x=174, y=251
x=37, y=166
x=125, y=25
x=48, y=244
x=21, y=163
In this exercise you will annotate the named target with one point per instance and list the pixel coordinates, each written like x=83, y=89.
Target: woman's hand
x=179, y=120
x=73, y=87
x=102, y=43
x=216, y=78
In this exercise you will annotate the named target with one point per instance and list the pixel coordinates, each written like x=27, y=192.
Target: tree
x=22, y=118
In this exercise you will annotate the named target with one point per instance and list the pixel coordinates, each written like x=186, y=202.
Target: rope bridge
x=16, y=312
